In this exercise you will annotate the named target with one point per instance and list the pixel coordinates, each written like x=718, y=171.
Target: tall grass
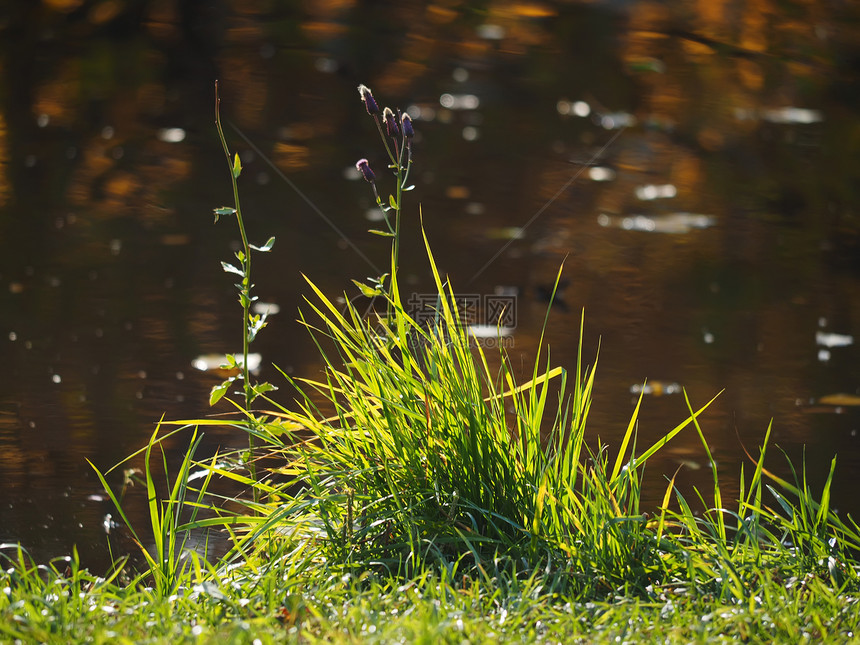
x=429, y=467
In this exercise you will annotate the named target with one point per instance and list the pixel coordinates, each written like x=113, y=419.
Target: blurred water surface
x=694, y=164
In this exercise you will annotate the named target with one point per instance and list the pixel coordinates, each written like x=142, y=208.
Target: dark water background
x=741, y=117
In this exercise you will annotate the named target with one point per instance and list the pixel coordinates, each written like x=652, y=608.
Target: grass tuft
x=417, y=492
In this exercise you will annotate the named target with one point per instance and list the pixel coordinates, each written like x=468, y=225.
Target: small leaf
x=218, y=391
x=223, y=210
x=237, y=166
x=411, y=187
x=366, y=290
x=262, y=388
x=380, y=281
x=376, y=231
x=266, y=247
x=229, y=268
x=392, y=202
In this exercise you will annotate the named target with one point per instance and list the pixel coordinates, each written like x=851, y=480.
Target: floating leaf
x=266, y=247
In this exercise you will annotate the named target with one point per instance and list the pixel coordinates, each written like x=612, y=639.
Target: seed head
x=406, y=122
x=390, y=123
x=364, y=168
x=369, y=101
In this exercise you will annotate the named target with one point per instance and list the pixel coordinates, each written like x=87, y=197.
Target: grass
x=434, y=498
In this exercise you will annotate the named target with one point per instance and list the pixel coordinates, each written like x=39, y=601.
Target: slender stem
x=245, y=291
x=384, y=139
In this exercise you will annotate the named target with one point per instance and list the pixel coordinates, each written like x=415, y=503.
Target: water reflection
x=541, y=128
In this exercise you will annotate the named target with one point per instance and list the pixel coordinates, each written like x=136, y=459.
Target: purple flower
x=369, y=101
x=406, y=122
x=364, y=168
x=390, y=123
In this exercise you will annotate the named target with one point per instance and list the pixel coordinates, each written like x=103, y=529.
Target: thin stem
x=245, y=291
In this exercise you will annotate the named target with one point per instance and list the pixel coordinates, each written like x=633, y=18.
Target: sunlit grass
x=432, y=497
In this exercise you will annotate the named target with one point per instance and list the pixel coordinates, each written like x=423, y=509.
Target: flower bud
x=390, y=123
x=364, y=168
x=406, y=122
x=369, y=101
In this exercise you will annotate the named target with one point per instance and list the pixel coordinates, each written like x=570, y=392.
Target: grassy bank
x=61, y=604
x=432, y=497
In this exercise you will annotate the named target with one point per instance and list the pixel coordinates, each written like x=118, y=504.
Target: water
x=693, y=169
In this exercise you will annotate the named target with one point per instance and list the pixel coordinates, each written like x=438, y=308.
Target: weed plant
x=436, y=498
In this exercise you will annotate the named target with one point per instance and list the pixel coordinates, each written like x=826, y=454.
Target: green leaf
x=366, y=290
x=266, y=247
x=237, y=166
x=392, y=202
x=229, y=268
x=376, y=231
x=380, y=281
x=223, y=210
x=218, y=391
x=262, y=388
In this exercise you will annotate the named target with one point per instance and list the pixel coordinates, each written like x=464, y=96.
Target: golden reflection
x=289, y=157
x=57, y=98
x=65, y=6
x=329, y=8
x=5, y=188
x=251, y=88
x=712, y=18
x=318, y=30
x=754, y=25
x=105, y=11
x=750, y=74
x=162, y=20
x=440, y=15
x=94, y=162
